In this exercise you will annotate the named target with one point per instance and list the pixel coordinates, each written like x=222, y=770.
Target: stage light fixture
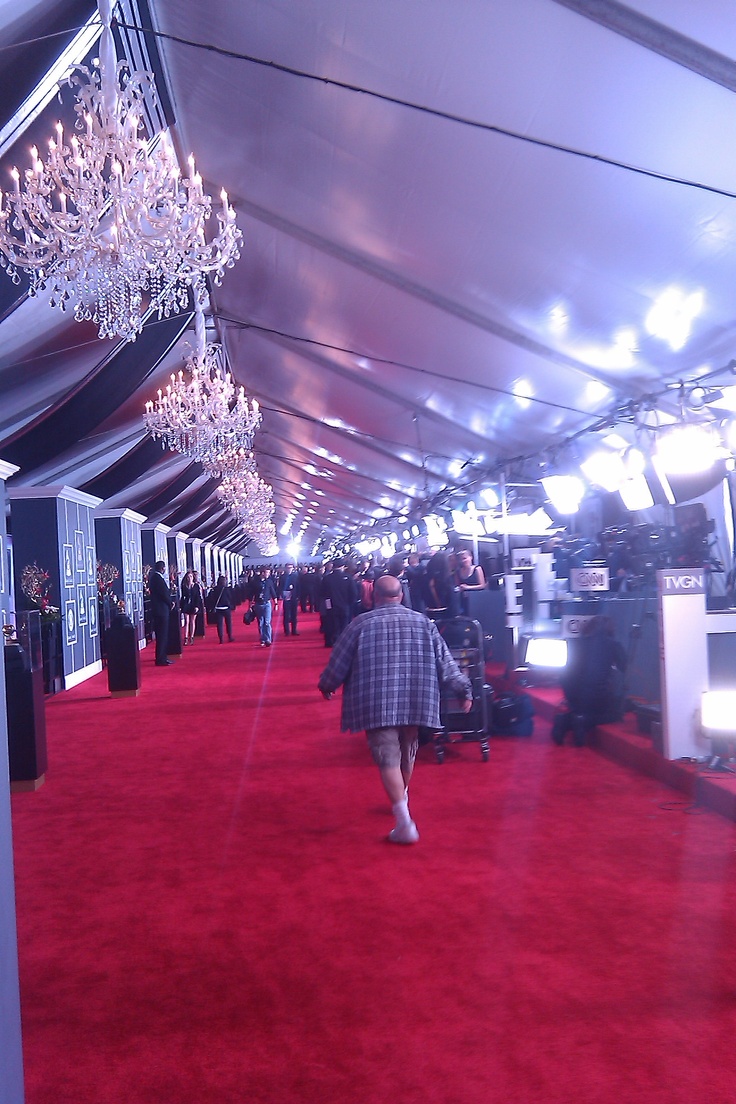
x=605, y=470
x=546, y=652
x=490, y=497
x=718, y=723
x=565, y=492
x=635, y=494
x=689, y=447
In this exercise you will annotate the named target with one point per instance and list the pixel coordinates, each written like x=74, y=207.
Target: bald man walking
x=392, y=664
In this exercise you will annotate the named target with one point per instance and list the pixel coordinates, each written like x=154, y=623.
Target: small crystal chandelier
x=250, y=499
x=202, y=414
x=230, y=461
x=106, y=224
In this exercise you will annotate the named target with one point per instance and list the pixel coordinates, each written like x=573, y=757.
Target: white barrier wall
x=683, y=659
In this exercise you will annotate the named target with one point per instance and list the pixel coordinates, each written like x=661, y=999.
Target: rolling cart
x=464, y=638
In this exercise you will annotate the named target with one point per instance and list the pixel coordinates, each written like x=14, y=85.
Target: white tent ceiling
x=450, y=247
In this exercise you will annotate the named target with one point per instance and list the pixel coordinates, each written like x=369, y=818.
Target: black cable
x=437, y=113
x=41, y=38
x=396, y=363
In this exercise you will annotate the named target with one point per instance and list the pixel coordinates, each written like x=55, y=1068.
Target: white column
x=11, y=1062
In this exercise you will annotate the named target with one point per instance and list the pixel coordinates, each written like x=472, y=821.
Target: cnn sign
x=589, y=578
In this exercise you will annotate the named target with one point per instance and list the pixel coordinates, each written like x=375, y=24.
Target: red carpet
x=208, y=911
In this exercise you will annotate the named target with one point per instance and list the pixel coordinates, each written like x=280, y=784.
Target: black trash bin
x=123, y=658
x=26, y=711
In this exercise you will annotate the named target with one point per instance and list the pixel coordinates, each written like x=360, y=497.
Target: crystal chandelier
x=230, y=461
x=248, y=496
x=105, y=224
x=202, y=414
x=251, y=501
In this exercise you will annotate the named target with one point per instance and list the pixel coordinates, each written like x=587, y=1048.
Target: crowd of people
x=338, y=590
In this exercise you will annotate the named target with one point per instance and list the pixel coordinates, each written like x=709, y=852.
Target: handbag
x=249, y=616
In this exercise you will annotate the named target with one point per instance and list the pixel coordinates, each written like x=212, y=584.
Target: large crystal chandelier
x=106, y=224
x=202, y=414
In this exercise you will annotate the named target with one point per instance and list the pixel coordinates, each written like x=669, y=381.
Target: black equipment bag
x=513, y=715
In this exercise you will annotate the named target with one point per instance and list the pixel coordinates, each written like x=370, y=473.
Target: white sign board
x=683, y=658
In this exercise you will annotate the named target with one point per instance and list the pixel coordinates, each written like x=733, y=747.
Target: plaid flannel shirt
x=392, y=663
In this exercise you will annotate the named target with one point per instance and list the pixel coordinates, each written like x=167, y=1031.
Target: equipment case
x=464, y=638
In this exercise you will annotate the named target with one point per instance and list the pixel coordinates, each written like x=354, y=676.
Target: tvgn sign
x=589, y=578
x=682, y=581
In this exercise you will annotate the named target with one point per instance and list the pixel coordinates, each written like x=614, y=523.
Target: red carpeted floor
x=208, y=911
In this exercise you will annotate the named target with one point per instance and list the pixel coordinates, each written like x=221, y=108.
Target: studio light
x=718, y=722
x=688, y=447
x=436, y=531
x=467, y=524
x=700, y=396
x=490, y=497
x=635, y=494
x=718, y=711
x=537, y=524
x=565, y=492
x=546, y=652
x=605, y=470
x=672, y=315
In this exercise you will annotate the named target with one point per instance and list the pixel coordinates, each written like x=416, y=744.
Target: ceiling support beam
x=659, y=39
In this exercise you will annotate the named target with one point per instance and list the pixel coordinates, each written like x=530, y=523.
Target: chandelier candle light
x=202, y=414
x=107, y=224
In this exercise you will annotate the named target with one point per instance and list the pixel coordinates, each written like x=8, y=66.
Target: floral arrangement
x=34, y=582
x=107, y=573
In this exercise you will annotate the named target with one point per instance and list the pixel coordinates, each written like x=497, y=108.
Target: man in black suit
x=288, y=591
x=339, y=594
x=158, y=588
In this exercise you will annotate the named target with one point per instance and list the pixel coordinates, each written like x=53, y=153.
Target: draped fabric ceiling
x=449, y=260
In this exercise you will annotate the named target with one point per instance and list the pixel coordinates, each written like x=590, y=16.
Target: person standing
x=161, y=605
x=392, y=664
x=396, y=566
x=289, y=595
x=265, y=600
x=468, y=576
x=592, y=681
x=190, y=604
x=305, y=590
x=441, y=597
x=339, y=594
x=223, y=605
x=416, y=572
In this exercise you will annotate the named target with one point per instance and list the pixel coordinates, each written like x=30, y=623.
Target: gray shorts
x=394, y=747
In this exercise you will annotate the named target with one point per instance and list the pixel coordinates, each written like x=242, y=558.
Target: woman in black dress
x=191, y=603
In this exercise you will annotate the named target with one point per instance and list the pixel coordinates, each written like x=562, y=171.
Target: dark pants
x=335, y=620
x=161, y=631
x=290, y=607
x=224, y=617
